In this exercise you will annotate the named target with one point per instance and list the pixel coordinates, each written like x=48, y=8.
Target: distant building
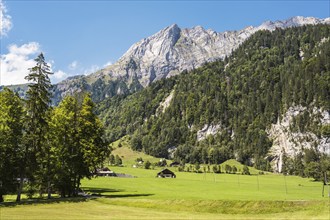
x=166, y=173
x=105, y=172
x=174, y=164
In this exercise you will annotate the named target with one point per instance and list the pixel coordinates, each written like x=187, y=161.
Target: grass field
x=208, y=186
x=189, y=196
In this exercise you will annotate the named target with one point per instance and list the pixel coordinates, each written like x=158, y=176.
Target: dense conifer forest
x=243, y=95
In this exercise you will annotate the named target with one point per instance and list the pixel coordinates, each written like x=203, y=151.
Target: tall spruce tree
x=37, y=105
x=11, y=148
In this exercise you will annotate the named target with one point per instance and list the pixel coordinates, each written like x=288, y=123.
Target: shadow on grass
x=46, y=201
x=99, y=192
x=126, y=195
x=91, y=194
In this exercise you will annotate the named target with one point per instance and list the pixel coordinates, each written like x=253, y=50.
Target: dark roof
x=165, y=171
x=103, y=169
x=174, y=164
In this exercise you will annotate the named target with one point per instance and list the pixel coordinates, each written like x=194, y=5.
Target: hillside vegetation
x=240, y=96
x=122, y=148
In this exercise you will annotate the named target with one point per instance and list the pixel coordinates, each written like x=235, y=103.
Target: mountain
x=266, y=105
x=172, y=50
x=164, y=54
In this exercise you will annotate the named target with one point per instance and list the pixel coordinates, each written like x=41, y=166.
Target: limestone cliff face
x=169, y=52
x=291, y=142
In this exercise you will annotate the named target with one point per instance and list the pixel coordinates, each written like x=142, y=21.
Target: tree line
x=45, y=149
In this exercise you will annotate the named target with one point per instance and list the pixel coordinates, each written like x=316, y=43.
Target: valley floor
x=189, y=196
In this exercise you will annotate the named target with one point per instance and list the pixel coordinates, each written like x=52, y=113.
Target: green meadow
x=188, y=196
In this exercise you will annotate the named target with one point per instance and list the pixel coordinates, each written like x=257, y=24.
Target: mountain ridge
x=174, y=49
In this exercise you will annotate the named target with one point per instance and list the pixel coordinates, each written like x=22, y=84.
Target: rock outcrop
x=208, y=130
x=165, y=104
x=291, y=142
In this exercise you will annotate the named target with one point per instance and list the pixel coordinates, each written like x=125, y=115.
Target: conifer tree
x=37, y=105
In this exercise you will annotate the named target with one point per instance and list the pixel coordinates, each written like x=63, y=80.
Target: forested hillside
x=235, y=100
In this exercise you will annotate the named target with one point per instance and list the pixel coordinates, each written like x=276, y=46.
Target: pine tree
x=37, y=105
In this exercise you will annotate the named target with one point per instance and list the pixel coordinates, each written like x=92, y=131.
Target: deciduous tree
x=11, y=144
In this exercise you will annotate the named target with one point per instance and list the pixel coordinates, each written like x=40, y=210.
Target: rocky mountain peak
x=173, y=28
x=300, y=20
x=292, y=22
x=172, y=50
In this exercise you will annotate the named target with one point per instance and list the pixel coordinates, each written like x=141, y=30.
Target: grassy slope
x=238, y=165
x=127, y=154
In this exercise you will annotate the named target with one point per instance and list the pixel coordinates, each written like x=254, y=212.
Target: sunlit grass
x=188, y=196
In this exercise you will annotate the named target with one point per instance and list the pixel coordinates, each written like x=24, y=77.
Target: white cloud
x=15, y=64
x=25, y=49
x=5, y=20
x=51, y=63
x=59, y=75
x=107, y=64
x=91, y=69
x=73, y=65
x=94, y=68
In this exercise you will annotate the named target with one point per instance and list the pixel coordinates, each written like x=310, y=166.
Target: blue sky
x=79, y=37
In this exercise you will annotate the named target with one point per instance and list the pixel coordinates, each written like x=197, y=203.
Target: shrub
x=147, y=164
x=228, y=168
x=246, y=170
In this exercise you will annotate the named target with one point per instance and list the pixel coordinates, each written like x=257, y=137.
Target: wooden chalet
x=105, y=172
x=166, y=173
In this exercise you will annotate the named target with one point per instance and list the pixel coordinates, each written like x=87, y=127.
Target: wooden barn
x=166, y=173
x=105, y=172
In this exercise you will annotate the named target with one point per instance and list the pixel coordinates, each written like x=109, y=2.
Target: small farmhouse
x=166, y=173
x=105, y=172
